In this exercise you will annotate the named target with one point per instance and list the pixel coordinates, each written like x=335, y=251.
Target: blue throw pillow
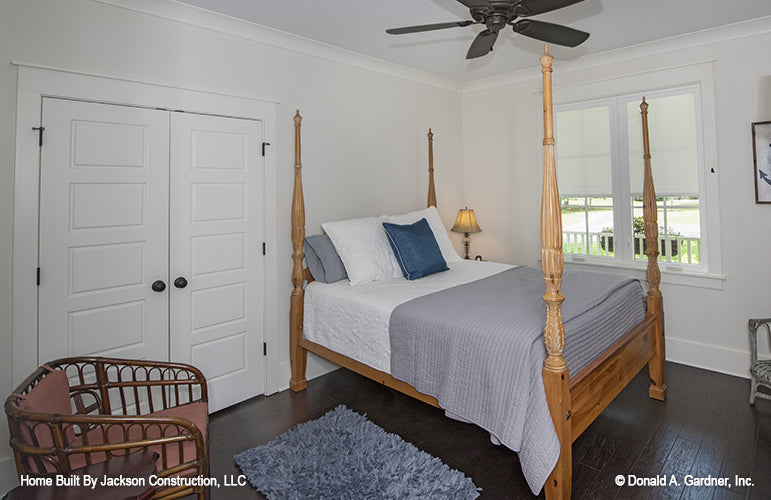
x=415, y=248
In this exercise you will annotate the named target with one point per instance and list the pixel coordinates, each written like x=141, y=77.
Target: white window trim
x=699, y=74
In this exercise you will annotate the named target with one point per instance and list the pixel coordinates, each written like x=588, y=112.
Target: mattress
x=353, y=320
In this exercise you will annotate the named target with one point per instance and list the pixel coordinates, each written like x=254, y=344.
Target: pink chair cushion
x=50, y=395
x=197, y=413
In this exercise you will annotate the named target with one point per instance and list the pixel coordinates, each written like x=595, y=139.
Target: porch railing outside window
x=676, y=249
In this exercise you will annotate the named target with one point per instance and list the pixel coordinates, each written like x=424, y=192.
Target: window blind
x=583, y=152
x=673, y=143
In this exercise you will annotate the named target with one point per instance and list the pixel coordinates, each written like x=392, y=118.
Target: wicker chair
x=760, y=370
x=74, y=412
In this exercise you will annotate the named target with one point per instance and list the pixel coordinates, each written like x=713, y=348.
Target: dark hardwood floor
x=706, y=427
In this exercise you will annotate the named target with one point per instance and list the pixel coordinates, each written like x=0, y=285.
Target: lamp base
x=467, y=246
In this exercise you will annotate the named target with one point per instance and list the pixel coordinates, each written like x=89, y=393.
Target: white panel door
x=104, y=184
x=216, y=237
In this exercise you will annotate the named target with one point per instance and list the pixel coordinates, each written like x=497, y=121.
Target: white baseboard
x=710, y=357
x=8, y=478
x=316, y=367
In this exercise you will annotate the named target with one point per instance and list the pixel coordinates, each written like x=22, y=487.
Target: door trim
x=34, y=83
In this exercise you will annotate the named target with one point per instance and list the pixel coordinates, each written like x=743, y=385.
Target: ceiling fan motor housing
x=496, y=21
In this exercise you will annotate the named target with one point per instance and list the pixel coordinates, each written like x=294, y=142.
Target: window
x=599, y=155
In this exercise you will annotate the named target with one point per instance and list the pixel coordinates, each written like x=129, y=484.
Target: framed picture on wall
x=761, y=149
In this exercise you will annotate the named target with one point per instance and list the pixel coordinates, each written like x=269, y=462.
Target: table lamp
x=466, y=223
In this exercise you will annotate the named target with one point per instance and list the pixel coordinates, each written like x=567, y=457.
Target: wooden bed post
x=555, y=370
x=431, y=187
x=658, y=389
x=298, y=356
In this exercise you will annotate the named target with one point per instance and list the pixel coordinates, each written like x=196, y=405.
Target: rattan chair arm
x=21, y=447
x=123, y=362
x=92, y=422
x=96, y=420
x=195, y=372
x=163, y=368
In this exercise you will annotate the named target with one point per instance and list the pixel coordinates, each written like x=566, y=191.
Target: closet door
x=104, y=180
x=217, y=270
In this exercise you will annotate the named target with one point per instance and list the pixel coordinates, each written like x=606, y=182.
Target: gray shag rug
x=344, y=455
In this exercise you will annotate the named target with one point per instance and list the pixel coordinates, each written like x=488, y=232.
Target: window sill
x=668, y=276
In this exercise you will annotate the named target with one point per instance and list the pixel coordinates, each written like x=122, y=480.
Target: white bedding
x=353, y=320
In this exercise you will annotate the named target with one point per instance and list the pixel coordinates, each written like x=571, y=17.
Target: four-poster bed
x=573, y=402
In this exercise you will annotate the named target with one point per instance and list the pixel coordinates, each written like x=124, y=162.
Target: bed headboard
x=300, y=274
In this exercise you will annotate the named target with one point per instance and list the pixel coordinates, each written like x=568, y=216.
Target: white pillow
x=364, y=249
x=437, y=227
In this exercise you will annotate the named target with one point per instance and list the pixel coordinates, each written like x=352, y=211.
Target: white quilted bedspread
x=353, y=320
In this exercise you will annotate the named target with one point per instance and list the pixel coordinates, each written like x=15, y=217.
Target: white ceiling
x=359, y=25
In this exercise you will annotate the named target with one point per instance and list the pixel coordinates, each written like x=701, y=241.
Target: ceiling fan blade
x=532, y=7
x=551, y=33
x=427, y=27
x=474, y=3
x=482, y=44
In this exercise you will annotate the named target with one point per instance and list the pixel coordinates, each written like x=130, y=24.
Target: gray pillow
x=323, y=260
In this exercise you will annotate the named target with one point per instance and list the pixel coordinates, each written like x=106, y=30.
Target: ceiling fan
x=497, y=14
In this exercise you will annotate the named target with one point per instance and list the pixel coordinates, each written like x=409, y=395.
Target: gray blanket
x=478, y=348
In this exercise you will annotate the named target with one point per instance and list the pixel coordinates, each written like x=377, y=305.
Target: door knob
x=159, y=286
x=180, y=282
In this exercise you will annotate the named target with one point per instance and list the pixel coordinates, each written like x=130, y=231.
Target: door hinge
x=264, y=251
x=40, y=130
x=263, y=147
x=264, y=348
x=37, y=277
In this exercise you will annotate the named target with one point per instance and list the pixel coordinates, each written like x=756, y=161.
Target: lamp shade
x=466, y=222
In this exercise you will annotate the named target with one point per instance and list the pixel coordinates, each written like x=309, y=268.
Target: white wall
x=364, y=145
x=502, y=155
x=364, y=127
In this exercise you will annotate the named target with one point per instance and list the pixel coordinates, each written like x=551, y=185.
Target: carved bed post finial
x=298, y=355
x=655, y=303
x=431, y=187
x=556, y=381
x=297, y=152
